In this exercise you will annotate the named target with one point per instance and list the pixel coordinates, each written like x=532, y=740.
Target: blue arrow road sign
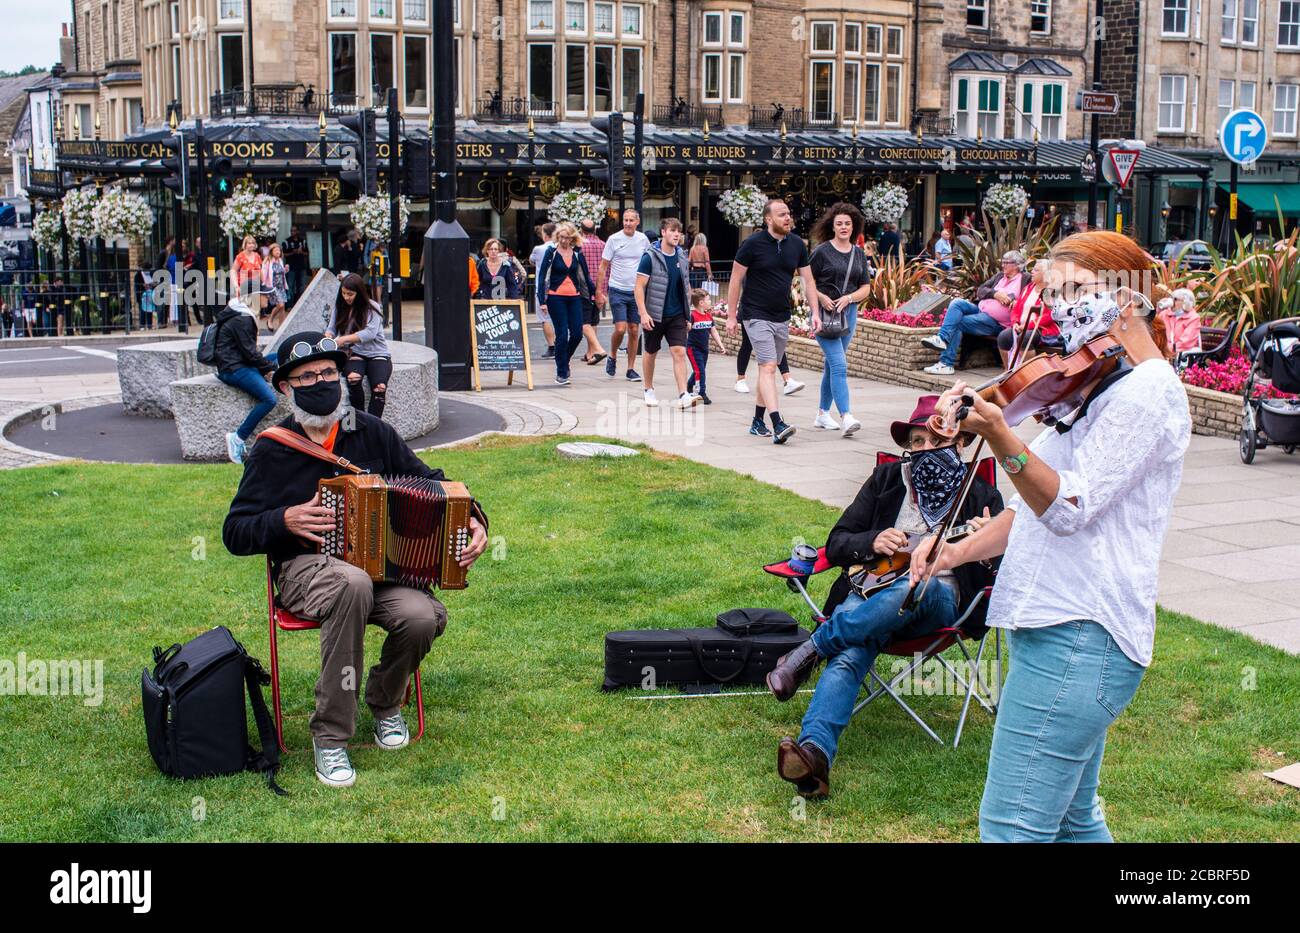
x=1243, y=136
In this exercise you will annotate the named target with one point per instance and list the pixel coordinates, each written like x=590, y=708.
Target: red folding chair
x=924, y=648
x=281, y=619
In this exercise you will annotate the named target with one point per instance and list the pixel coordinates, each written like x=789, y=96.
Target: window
x=823, y=37
x=602, y=85
x=134, y=114
x=821, y=105
x=989, y=114
x=1173, y=103
x=737, y=27
x=541, y=77
x=893, y=93
x=87, y=121
x=735, y=77
x=1227, y=94
x=177, y=90
x=382, y=10
x=1284, y=109
x=541, y=15
x=852, y=82
x=1288, y=24
x=630, y=73
x=977, y=14
x=894, y=41
x=713, y=29
x=381, y=67
x=415, y=61
x=1195, y=109
x=1053, y=123
x=417, y=11
x=575, y=79
x=1041, y=110
x=1247, y=95
x=1040, y=17
x=343, y=66
x=873, y=40
x=978, y=106
x=230, y=11
x=852, y=38
x=232, y=61
x=343, y=9
x=1249, y=22
x=712, y=76
x=632, y=19
x=1229, y=31
x=871, y=95
x=1174, y=22
x=602, y=20
x=575, y=16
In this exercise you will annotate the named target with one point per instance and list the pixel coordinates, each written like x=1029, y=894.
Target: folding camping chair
x=281, y=619
x=922, y=649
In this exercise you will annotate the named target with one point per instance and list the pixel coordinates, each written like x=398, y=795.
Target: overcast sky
x=29, y=32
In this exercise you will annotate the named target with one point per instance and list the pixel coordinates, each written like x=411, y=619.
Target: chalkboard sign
x=499, y=336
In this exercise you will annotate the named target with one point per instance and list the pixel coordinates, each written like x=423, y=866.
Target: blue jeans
x=1067, y=684
x=856, y=632
x=622, y=306
x=566, y=318
x=835, y=374
x=250, y=380
x=964, y=317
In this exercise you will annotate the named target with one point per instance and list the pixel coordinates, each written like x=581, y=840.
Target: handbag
x=835, y=321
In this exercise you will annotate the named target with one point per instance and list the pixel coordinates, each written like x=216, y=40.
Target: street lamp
x=324, y=199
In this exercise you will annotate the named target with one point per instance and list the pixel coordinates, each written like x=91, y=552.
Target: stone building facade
x=102, y=90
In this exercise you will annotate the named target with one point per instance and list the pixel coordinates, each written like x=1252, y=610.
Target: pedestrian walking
x=547, y=233
x=697, y=343
x=618, y=270
x=840, y=270
x=662, y=301
x=593, y=247
x=564, y=281
x=298, y=262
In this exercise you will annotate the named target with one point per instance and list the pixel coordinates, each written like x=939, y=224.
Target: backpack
x=207, y=352
x=194, y=714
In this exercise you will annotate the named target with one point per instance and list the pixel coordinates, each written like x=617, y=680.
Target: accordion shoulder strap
x=307, y=446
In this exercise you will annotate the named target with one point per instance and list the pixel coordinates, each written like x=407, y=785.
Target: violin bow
x=950, y=519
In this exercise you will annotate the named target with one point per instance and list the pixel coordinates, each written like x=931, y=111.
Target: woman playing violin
x=1081, y=543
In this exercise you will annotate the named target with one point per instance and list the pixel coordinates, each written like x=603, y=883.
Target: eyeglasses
x=303, y=348
x=329, y=374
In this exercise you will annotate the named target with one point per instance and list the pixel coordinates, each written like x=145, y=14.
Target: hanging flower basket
x=79, y=213
x=1004, y=200
x=47, y=229
x=125, y=214
x=576, y=205
x=370, y=215
x=250, y=213
x=743, y=206
x=884, y=204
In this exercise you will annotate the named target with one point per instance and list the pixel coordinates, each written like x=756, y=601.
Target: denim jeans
x=964, y=317
x=835, y=374
x=566, y=318
x=856, y=632
x=1067, y=684
x=250, y=380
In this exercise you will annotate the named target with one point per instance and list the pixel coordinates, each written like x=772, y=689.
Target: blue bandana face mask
x=936, y=475
x=1084, y=318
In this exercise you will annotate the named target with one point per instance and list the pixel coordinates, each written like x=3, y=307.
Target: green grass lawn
x=99, y=561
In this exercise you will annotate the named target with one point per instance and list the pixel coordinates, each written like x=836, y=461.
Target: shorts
x=622, y=306
x=769, y=339
x=590, y=312
x=542, y=314
x=673, y=328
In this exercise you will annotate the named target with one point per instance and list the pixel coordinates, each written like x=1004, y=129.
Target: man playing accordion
x=277, y=511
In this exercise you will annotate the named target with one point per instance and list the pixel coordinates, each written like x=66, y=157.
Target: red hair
x=1113, y=254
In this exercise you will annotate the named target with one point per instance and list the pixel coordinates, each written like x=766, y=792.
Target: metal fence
x=98, y=301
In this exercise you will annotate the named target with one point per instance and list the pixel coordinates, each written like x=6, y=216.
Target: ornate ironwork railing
x=933, y=124
x=794, y=118
x=494, y=109
x=681, y=113
x=280, y=101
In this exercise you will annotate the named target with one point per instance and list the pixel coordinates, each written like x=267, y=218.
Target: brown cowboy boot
x=805, y=767
x=792, y=670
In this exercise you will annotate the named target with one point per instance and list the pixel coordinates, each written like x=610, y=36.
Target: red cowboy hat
x=899, y=430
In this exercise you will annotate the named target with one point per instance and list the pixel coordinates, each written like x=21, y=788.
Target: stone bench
x=206, y=409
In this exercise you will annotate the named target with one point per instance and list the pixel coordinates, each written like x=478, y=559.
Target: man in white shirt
x=547, y=231
x=618, y=269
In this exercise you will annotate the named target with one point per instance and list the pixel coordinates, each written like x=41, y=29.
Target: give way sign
x=1123, y=161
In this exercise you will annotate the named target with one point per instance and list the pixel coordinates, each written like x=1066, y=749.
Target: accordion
x=400, y=529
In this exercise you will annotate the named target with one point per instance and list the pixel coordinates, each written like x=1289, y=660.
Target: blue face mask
x=936, y=476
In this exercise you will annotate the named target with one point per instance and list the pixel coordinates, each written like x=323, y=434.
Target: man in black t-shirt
x=764, y=269
x=296, y=262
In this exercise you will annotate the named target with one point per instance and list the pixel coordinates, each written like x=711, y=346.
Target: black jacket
x=237, y=342
x=876, y=508
x=277, y=477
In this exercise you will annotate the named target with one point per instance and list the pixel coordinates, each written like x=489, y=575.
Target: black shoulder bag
x=835, y=322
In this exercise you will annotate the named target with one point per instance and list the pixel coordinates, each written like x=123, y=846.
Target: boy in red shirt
x=697, y=341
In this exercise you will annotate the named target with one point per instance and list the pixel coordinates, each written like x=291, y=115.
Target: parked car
x=1195, y=253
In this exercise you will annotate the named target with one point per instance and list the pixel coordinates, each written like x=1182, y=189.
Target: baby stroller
x=1274, y=353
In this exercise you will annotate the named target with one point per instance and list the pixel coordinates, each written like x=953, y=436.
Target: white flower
x=47, y=227
x=885, y=203
x=79, y=213
x=576, y=205
x=1003, y=200
x=249, y=213
x=743, y=206
x=370, y=215
x=122, y=213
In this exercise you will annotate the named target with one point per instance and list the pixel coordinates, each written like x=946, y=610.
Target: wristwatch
x=1017, y=463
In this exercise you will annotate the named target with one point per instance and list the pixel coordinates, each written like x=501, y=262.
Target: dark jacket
x=508, y=278
x=987, y=289
x=891, y=244
x=876, y=508
x=553, y=272
x=237, y=342
x=277, y=477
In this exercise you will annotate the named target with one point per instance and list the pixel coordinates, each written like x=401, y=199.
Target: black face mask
x=319, y=399
x=937, y=475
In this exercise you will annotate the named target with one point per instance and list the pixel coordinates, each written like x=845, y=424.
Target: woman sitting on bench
x=1025, y=313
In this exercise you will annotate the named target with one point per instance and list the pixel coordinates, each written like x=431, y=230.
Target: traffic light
x=415, y=169
x=177, y=164
x=365, y=177
x=221, y=177
x=610, y=151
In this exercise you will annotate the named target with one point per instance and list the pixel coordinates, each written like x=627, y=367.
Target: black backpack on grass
x=194, y=713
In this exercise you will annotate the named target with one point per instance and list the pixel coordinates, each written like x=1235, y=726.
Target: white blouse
x=1099, y=560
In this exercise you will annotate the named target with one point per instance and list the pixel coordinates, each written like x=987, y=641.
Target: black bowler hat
x=305, y=347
